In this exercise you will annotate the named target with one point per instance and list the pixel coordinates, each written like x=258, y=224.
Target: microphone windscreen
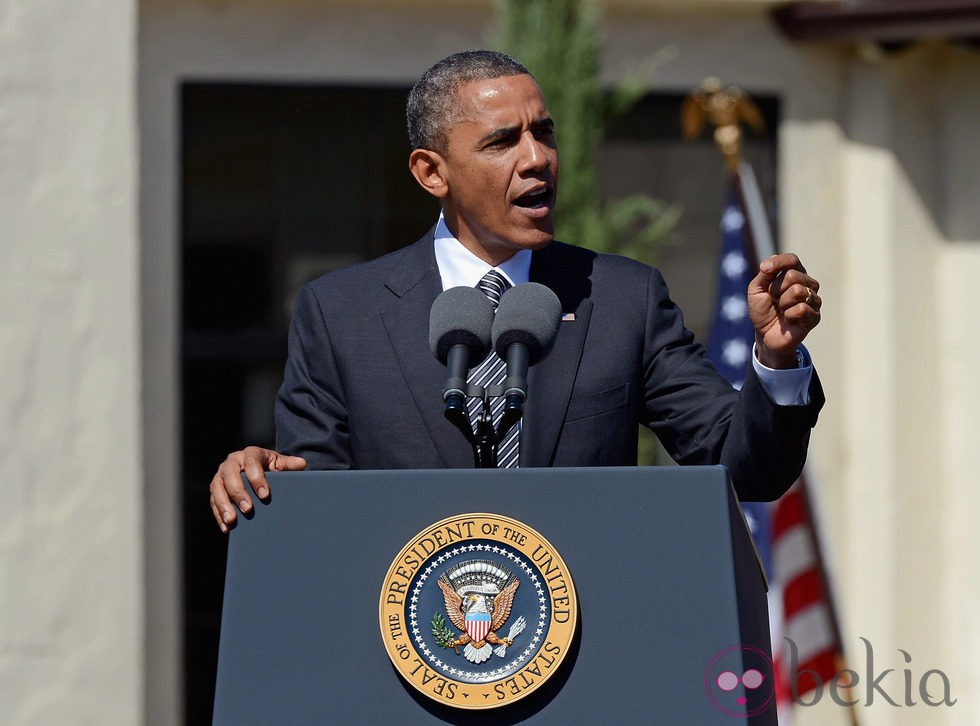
x=460, y=315
x=528, y=314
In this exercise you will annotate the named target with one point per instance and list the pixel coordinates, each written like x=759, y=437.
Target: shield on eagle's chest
x=477, y=625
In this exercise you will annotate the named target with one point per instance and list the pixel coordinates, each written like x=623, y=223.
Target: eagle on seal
x=471, y=611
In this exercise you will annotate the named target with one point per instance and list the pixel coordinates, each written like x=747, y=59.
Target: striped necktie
x=491, y=372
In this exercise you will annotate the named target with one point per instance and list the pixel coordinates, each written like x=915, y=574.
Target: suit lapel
x=414, y=284
x=565, y=270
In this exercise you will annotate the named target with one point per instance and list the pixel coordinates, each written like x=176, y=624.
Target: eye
x=502, y=141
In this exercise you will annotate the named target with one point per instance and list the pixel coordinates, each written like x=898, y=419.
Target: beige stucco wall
x=877, y=194
x=70, y=518
x=957, y=385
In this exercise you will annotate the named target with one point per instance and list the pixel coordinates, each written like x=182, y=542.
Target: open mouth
x=536, y=199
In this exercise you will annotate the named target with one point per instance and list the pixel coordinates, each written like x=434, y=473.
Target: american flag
x=801, y=599
x=800, y=607
x=730, y=341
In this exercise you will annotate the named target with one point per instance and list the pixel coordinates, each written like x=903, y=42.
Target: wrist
x=784, y=360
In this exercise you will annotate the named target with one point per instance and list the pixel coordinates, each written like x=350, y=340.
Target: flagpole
x=761, y=243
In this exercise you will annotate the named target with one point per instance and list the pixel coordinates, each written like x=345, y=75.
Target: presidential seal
x=477, y=611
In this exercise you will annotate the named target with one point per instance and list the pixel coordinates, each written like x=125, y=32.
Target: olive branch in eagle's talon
x=442, y=633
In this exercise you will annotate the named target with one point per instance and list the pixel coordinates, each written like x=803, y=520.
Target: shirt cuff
x=788, y=386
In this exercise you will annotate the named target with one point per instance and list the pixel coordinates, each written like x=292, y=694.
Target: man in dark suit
x=362, y=390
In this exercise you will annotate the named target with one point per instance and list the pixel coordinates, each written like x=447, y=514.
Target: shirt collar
x=460, y=267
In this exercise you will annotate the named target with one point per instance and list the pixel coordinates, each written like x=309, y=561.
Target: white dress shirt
x=459, y=267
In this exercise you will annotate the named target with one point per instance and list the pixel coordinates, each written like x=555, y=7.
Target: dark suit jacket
x=363, y=390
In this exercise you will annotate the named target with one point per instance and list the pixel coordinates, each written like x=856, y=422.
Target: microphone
x=460, y=321
x=524, y=329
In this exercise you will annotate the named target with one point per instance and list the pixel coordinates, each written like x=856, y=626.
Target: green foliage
x=559, y=41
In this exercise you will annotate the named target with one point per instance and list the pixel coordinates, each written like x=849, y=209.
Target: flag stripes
x=806, y=605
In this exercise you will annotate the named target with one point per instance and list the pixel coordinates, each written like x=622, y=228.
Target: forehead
x=504, y=101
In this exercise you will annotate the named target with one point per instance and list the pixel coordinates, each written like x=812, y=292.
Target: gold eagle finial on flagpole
x=726, y=109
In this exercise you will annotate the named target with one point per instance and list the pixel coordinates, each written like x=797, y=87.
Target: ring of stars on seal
x=533, y=643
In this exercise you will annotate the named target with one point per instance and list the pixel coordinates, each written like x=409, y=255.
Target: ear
x=429, y=169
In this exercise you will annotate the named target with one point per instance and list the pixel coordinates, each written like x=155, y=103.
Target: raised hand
x=784, y=307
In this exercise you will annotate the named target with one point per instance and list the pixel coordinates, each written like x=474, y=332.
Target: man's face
x=501, y=168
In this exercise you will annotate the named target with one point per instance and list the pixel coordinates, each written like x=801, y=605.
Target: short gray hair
x=432, y=105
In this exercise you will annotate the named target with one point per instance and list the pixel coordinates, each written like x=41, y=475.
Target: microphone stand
x=485, y=440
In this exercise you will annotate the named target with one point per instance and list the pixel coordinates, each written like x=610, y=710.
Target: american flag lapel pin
x=568, y=317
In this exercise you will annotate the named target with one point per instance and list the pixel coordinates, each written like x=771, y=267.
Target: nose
x=534, y=154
